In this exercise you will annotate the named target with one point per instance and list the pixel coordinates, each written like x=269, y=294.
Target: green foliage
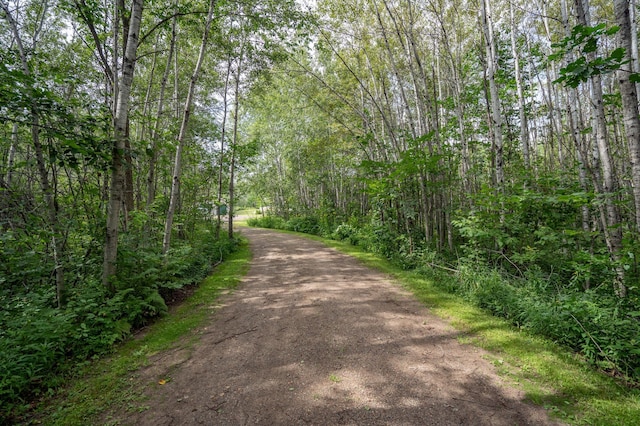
x=538, y=230
x=106, y=383
x=305, y=224
x=39, y=342
x=602, y=328
x=346, y=232
x=585, y=40
x=21, y=264
x=270, y=222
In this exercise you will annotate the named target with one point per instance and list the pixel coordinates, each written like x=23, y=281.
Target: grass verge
x=550, y=375
x=110, y=382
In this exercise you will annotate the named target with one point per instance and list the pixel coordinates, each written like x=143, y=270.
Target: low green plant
x=40, y=343
x=106, y=382
x=306, y=224
x=271, y=222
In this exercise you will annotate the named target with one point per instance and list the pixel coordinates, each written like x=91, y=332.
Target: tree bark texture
x=629, y=100
x=121, y=118
x=611, y=225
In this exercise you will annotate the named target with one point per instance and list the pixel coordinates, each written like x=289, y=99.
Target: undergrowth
x=600, y=329
x=41, y=344
x=106, y=383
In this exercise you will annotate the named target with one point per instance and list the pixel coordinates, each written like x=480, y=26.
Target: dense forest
x=497, y=141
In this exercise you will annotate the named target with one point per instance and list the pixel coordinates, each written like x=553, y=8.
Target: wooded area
x=493, y=140
x=497, y=140
x=118, y=148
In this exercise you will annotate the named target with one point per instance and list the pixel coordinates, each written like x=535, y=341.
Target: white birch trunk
x=496, y=116
x=116, y=191
x=222, y=138
x=611, y=220
x=155, y=134
x=524, y=125
x=182, y=135
x=45, y=183
x=629, y=100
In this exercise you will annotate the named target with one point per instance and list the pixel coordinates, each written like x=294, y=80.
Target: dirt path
x=312, y=337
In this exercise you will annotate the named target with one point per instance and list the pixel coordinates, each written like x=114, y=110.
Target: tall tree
x=182, y=135
x=629, y=99
x=522, y=113
x=611, y=220
x=48, y=189
x=155, y=134
x=120, y=125
x=496, y=114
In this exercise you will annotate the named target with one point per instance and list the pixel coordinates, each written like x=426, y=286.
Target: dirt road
x=312, y=337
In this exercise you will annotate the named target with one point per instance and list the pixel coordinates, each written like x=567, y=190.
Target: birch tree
x=629, y=99
x=120, y=124
x=48, y=190
x=496, y=115
x=182, y=135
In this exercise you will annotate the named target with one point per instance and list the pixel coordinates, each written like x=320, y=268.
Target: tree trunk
x=613, y=232
x=629, y=100
x=234, y=145
x=155, y=135
x=524, y=125
x=221, y=160
x=496, y=116
x=634, y=40
x=11, y=156
x=47, y=189
x=121, y=118
x=575, y=128
x=182, y=135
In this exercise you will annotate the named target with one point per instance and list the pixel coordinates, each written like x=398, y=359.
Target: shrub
x=305, y=224
x=271, y=222
x=347, y=232
x=604, y=329
x=39, y=342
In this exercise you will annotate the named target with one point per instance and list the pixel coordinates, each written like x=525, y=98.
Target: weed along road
x=313, y=337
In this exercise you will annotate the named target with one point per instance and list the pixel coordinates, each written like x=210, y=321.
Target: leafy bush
x=601, y=328
x=305, y=224
x=39, y=342
x=271, y=222
x=346, y=232
x=604, y=329
x=537, y=229
x=37, y=339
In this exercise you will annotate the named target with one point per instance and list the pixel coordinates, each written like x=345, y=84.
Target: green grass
x=334, y=378
x=550, y=375
x=246, y=211
x=111, y=382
